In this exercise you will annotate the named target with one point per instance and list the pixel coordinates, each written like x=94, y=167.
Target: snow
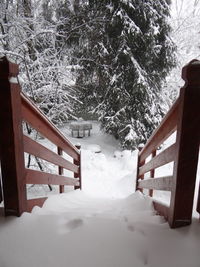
x=94, y=148
x=185, y=33
x=13, y=80
x=106, y=224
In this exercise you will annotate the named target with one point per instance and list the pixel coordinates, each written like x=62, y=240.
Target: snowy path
x=105, y=225
x=76, y=230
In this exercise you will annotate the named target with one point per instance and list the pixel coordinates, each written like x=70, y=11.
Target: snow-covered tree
x=185, y=23
x=29, y=33
x=124, y=55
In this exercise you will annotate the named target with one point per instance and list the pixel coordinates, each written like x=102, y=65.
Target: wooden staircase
x=183, y=117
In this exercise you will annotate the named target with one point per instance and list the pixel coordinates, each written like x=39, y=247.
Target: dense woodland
x=106, y=59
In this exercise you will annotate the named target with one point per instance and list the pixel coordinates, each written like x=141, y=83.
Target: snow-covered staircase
x=76, y=230
x=183, y=117
x=105, y=224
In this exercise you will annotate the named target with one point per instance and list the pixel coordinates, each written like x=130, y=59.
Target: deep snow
x=106, y=224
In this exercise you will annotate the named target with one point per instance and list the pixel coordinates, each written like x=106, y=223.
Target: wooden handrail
x=34, y=148
x=15, y=109
x=164, y=157
x=38, y=177
x=159, y=183
x=183, y=117
x=166, y=128
x=34, y=116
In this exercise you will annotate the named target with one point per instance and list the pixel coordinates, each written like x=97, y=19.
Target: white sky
x=183, y=8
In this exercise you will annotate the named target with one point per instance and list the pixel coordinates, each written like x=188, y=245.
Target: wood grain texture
x=38, y=177
x=159, y=183
x=38, y=150
x=11, y=141
x=161, y=159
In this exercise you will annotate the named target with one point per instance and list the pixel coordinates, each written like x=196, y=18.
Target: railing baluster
x=139, y=164
x=78, y=162
x=152, y=173
x=60, y=170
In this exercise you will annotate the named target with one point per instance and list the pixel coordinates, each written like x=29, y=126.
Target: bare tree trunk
x=27, y=10
x=76, y=6
x=4, y=27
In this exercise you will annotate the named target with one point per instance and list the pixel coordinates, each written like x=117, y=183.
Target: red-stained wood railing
x=183, y=117
x=16, y=108
x=1, y=195
x=198, y=202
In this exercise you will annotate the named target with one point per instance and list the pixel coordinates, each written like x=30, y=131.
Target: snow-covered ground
x=104, y=225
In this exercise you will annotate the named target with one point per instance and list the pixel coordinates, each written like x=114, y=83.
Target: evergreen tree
x=124, y=58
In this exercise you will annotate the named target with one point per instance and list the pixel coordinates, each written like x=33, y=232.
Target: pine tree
x=124, y=59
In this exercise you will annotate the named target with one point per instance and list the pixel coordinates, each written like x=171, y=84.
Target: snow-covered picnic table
x=80, y=127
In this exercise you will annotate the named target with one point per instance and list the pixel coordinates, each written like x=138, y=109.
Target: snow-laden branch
x=10, y=53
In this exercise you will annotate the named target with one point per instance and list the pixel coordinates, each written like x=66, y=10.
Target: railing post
x=1, y=196
x=140, y=147
x=11, y=141
x=152, y=173
x=60, y=171
x=187, y=142
x=79, y=173
x=198, y=201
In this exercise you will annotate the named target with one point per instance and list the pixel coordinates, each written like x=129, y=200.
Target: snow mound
x=102, y=232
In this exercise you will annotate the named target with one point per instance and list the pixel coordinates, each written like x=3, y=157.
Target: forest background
x=115, y=61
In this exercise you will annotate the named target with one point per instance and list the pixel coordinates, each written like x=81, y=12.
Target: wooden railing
x=1, y=195
x=198, y=202
x=184, y=118
x=15, y=109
